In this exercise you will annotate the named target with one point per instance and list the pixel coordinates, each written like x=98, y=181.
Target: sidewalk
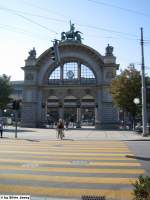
x=76, y=134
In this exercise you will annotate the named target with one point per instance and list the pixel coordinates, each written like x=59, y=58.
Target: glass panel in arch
x=87, y=75
x=70, y=70
x=55, y=76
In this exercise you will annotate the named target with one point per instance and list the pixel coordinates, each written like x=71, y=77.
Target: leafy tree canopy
x=125, y=88
x=5, y=90
x=148, y=91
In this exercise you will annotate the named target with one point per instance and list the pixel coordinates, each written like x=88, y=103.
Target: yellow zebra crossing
x=67, y=168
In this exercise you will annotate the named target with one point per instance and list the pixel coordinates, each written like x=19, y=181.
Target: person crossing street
x=60, y=129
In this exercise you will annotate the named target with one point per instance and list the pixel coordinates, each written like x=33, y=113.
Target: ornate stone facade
x=75, y=88
x=64, y=91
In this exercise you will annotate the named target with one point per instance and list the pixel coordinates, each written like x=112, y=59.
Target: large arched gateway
x=76, y=89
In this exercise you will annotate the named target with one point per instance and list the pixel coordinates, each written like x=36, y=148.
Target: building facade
x=76, y=89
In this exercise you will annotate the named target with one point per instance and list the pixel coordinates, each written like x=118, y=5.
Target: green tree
x=125, y=88
x=5, y=90
x=148, y=91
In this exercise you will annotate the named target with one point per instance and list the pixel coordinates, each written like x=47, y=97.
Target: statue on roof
x=72, y=28
x=32, y=54
x=71, y=35
x=109, y=50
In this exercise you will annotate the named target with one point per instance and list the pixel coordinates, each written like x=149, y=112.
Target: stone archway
x=40, y=85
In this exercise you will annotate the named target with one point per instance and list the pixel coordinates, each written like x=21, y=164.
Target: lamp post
x=136, y=101
x=5, y=111
x=144, y=120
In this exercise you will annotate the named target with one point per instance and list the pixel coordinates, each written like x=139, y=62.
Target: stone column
x=98, y=109
x=79, y=72
x=61, y=113
x=96, y=114
x=78, y=115
x=29, y=107
x=61, y=110
x=61, y=73
x=78, y=118
x=39, y=107
x=43, y=114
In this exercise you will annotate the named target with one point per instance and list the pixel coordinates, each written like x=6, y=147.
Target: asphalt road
x=141, y=150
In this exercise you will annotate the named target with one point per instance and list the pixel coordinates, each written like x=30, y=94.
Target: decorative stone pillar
x=98, y=109
x=39, y=107
x=78, y=115
x=43, y=114
x=61, y=73
x=29, y=101
x=96, y=114
x=79, y=72
x=61, y=110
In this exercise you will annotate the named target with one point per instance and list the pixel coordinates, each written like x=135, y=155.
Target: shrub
x=141, y=189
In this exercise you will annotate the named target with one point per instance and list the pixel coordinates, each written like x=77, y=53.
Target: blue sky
x=25, y=24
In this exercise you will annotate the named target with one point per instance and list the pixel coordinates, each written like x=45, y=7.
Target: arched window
x=54, y=77
x=72, y=73
x=55, y=74
x=87, y=75
x=71, y=70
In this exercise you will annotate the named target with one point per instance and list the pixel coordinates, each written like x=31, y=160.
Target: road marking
x=59, y=157
x=69, y=154
x=64, y=153
x=89, y=146
x=65, y=147
x=23, y=140
x=63, y=192
x=69, y=179
x=97, y=150
x=75, y=170
x=83, y=144
x=70, y=163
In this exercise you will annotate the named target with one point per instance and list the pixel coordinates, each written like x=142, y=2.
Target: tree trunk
x=1, y=113
x=133, y=123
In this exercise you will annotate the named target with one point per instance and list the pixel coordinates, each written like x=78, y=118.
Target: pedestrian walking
x=1, y=128
x=60, y=129
x=67, y=124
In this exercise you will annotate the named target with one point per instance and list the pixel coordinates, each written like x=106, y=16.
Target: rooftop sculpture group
x=71, y=35
x=109, y=50
x=32, y=54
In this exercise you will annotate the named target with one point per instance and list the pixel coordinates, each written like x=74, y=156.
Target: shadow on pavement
x=18, y=130
x=81, y=129
x=29, y=140
x=68, y=139
x=32, y=140
x=138, y=157
x=137, y=140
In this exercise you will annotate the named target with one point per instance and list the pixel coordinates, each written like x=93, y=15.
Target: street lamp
x=5, y=111
x=136, y=101
x=144, y=112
